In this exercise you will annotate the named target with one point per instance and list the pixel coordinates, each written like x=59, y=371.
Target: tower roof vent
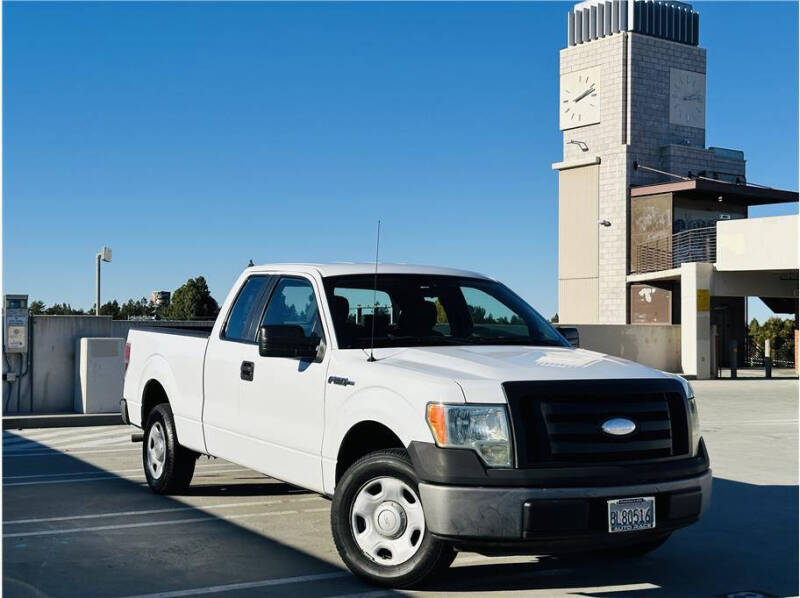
x=594, y=19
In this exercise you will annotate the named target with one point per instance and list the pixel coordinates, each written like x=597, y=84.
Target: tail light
x=127, y=359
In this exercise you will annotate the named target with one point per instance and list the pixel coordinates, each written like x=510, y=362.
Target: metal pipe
x=637, y=166
x=97, y=286
x=767, y=359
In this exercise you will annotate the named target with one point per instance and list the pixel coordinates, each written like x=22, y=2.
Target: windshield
x=415, y=310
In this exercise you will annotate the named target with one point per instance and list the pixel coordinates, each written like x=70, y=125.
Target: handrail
x=665, y=253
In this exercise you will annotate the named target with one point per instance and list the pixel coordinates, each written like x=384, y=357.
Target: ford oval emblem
x=618, y=426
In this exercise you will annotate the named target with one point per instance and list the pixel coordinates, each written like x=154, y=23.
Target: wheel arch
x=153, y=394
x=361, y=439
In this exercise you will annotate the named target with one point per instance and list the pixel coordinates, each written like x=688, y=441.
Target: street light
x=104, y=255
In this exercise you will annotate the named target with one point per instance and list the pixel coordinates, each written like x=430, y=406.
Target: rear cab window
x=243, y=317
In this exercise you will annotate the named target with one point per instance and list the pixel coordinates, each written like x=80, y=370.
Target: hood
x=480, y=370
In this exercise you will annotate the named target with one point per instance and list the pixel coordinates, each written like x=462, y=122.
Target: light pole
x=104, y=255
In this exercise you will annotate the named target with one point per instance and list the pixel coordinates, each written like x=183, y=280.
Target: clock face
x=579, y=103
x=687, y=98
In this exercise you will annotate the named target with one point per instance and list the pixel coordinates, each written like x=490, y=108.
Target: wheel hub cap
x=387, y=521
x=156, y=450
x=390, y=519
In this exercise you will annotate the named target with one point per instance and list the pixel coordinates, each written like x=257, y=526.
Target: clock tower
x=632, y=93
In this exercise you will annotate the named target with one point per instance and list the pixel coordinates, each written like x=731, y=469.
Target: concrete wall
x=658, y=346
x=49, y=385
x=696, y=280
x=758, y=244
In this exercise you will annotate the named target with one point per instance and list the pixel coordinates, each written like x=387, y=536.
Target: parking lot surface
x=79, y=520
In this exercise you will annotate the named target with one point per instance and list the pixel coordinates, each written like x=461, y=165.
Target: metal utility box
x=15, y=324
x=99, y=374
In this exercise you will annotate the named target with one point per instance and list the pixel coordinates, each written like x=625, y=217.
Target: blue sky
x=191, y=137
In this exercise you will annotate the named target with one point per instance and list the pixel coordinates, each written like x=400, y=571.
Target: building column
x=696, y=319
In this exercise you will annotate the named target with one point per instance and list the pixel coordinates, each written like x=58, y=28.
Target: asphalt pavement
x=79, y=520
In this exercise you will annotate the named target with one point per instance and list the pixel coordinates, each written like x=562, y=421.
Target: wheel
x=379, y=525
x=168, y=466
x=635, y=550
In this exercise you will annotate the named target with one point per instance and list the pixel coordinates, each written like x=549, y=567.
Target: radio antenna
x=375, y=296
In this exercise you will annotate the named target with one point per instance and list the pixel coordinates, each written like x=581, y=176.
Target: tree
x=780, y=334
x=63, y=309
x=192, y=301
x=109, y=308
x=36, y=307
x=137, y=309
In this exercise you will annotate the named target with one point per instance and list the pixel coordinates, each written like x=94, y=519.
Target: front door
x=282, y=407
x=226, y=363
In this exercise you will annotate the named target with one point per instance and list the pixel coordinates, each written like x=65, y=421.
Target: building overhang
x=578, y=163
x=661, y=275
x=748, y=195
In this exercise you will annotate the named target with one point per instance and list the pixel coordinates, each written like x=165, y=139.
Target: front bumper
x=565, y=518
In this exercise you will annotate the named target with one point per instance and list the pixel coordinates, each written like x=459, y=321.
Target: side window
x=245, y=310
x=490, y=316
x=293, y=304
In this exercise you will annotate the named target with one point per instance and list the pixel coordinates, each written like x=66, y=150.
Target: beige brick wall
x=634, y=126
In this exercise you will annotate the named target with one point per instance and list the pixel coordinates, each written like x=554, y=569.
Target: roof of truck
x=343, y=268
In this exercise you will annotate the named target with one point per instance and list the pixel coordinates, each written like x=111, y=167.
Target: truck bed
x=174, y=357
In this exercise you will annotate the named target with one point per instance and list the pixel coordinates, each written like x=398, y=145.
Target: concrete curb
x=60, y=420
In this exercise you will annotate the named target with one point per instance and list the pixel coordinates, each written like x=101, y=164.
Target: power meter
x=15, y=323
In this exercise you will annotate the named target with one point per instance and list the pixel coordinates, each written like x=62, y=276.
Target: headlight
x=483, y=428
x=694, y=426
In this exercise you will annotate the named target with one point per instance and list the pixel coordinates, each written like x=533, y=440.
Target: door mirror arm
x=570, y=333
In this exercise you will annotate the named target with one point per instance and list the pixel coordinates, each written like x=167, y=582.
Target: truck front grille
x=559, y=423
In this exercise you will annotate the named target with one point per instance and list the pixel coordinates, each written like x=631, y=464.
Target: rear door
x=227, y=362
x=282, y=407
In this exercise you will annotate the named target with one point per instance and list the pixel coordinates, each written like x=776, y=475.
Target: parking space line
x=44, y=435
x=112, y=476
x=200, y=466
x=247, y=585
x=87, y=436
x=143, y=512
x=63, y=437
x=101, y=528
x=61, y=453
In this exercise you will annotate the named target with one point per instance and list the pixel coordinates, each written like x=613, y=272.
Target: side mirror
x=571, y=334
x=287, y=341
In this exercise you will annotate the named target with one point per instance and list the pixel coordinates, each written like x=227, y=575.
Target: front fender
x=403, y=415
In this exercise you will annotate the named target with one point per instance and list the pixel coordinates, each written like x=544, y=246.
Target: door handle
x=246, y=371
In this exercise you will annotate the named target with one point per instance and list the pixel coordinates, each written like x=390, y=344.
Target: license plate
x=631, y=514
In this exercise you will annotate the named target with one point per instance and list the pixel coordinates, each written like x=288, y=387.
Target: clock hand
x=584, y=94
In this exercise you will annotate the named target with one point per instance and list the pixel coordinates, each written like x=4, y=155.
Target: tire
x=636, y=550
x=401, y=559
x=168, y=469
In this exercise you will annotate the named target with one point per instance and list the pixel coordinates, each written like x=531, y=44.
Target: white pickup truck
x=436, y=408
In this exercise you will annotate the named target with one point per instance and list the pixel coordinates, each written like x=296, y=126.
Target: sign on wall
x=703, y=300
